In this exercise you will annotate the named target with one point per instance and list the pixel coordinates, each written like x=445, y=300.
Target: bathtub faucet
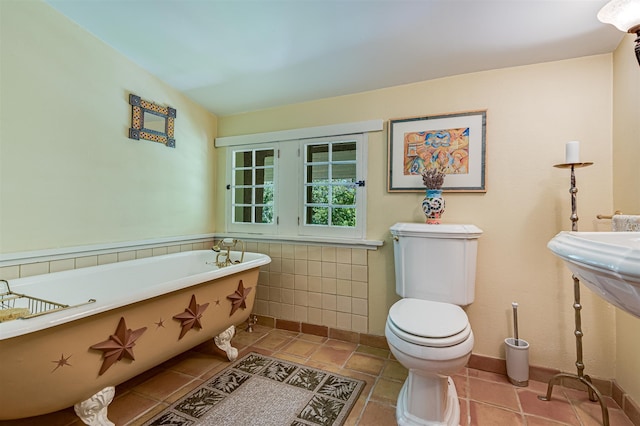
x=223, y=248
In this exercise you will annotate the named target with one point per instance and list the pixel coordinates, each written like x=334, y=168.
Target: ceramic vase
x=433, y=206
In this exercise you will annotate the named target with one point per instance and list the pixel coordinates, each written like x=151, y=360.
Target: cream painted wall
x=532, y=112
x=626, y=195
x=626, y=128
x=69, y=174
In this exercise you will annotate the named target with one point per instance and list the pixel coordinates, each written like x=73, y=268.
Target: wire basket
x=20, y=306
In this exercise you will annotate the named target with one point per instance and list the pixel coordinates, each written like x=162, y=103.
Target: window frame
x=249, y=227
x=288, y=196
x=356, y=232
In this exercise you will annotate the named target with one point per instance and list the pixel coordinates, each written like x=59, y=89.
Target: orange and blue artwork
x=446, y=150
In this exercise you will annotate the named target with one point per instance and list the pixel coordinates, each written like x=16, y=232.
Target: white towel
x=625, y=223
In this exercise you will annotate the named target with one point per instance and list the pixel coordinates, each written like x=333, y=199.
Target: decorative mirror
x=151, y=122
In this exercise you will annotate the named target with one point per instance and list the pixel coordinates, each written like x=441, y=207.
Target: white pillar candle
x=572, y=152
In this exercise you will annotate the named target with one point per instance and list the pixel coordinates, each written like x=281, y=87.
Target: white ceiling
x=235, y=56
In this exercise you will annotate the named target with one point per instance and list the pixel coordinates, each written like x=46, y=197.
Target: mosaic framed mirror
x=152, y=122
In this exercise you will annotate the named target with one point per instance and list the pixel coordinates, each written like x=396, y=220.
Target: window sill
x=309, y=240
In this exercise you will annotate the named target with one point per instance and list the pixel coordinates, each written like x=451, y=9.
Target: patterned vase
x=433, y=206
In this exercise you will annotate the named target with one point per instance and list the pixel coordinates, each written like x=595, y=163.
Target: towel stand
x=602, y=216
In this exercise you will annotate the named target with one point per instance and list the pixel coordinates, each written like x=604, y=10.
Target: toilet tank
x=436, y=262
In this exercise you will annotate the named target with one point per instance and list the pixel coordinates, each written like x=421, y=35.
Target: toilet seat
x=428, y=323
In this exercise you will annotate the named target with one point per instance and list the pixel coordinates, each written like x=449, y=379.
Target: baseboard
x=324, y=331
x=628, y=405
x=606, y=387
x=479, y=362
x=540, y=374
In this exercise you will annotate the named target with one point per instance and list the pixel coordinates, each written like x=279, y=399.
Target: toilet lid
x=429, y=323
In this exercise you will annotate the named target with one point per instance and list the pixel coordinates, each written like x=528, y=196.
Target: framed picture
x=452, y=143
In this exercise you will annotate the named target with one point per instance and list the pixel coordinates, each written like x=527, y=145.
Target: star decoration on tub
x=61, y=362
x=190, y=318
x=160, y=323
x=119, y=345
x=238, y=299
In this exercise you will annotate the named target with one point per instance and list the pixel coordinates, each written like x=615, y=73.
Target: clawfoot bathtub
x=112, y=322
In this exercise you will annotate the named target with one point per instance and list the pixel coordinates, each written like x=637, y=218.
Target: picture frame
x=455, y=143
x=152, y=122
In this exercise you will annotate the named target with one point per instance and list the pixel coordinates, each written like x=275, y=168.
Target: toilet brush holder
x=517, y=354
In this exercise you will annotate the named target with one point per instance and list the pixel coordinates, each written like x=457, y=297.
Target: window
x=310, y=187
x=252, y=196
x=330, y=192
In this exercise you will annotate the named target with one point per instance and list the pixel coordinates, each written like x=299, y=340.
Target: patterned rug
x=260, y=390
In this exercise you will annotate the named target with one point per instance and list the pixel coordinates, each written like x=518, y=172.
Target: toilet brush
x=514, y=305
x=517, y=354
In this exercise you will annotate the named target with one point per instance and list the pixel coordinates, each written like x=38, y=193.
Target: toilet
x=427, y=330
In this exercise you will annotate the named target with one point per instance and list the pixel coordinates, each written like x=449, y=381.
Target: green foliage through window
x=342, y=206
x=330, y=196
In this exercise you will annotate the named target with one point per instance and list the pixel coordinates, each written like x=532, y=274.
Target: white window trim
x=335, y=231
x=290, y=223
x=258, y=228
x=295, y=135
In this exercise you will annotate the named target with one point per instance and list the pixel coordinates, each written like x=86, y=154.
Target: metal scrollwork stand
x=594, y=394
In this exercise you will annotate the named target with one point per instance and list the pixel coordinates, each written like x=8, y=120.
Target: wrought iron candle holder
x=594, y=393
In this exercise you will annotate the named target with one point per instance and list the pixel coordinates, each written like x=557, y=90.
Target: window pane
x=264, y=176
x=243, y=158
x=317, y=215
x=343, y=173
x=243, y=177
x=344, y=151
x=242, y=214
x=267, y=214
x=343, y=216
x=259, y=176
x=264, y=214
x=317, y=153
x=264, y=195
x=268, y=194
x=264, y=158
x=242, y=196
x=259, y=195
x=343, y=195
x=268, y=176
x=316, y=174
x=317, y=194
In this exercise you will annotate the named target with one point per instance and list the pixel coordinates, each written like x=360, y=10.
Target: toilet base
x=451, y=415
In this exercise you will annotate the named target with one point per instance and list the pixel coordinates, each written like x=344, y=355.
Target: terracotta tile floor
x=486, y=399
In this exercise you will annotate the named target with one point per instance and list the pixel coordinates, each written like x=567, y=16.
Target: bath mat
x=261, y=390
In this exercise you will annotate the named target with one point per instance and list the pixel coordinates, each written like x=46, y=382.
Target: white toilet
x=427, y=330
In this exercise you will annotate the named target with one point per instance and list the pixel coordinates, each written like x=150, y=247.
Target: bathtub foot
x=253, y=319
x=223, y=341
x=93, y=411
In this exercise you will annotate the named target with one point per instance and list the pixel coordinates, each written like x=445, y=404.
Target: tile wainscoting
x=78, y=260
x=321, y=285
